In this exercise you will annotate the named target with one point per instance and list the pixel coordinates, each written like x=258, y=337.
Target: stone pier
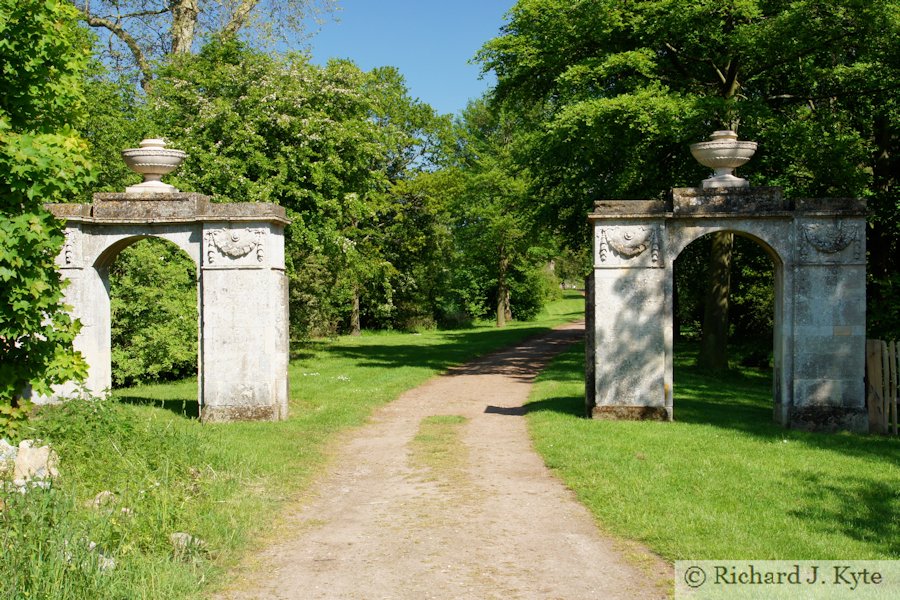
x=242, y=291
x=818, y=249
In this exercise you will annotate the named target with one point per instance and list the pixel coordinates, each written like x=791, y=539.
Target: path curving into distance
x=442, y=496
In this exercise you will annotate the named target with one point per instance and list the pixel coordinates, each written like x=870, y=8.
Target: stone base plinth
x=631, y=413
x=829, y=419
x=226, y=414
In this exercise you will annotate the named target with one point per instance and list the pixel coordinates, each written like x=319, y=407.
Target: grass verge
x=223, y=484
x=722, y=481
x=437, y=448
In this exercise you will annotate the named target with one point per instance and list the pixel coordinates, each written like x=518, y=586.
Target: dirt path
x=416, y=507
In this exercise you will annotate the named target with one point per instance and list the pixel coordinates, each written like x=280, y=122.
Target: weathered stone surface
x=829, y=418
x=818, y=249
x=185, y=544
x=165, y=208
x=590, y=346
x=237, y=412
x=631, y=413
x=629, y=208
x=713, y=201
x=831, y=206
x=34, y=463
x=104, y=562
x=7, y=457
x=239, y=252
x=102, y=499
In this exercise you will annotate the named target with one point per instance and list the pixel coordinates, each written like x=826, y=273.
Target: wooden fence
x=882, y=374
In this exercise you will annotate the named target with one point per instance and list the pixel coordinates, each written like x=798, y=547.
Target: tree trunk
x=714, y=339
x=355, y=329
x=884, y=168
x=239, y=16
x=508, y=306
x=184, y=20
x=502, y=291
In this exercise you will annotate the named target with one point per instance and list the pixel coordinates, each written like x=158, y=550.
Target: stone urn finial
x=723, y=153
x=152, y=160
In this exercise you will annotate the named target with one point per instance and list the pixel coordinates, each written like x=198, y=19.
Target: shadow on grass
x=184, y=407
x=859, y=507
x=742, y=401
x=458, y=348
x=565, y=405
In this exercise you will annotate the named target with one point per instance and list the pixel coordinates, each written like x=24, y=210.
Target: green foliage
x=42, y=55
x=36, y=334
x=752, y=308
x=66, y=547
x=500, y=256
x=609, y=94
x=623, y=87
x=330, y=144
x=154, y=335
x=41, y=524
x=882, y=308
x=115, y=119
x=13, y=418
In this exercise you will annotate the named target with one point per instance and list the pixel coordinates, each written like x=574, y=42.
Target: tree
x=337, y=146
x=497, y=246
x=167, y=349
x=143, y=31
x=616, y=90
x=42, y=56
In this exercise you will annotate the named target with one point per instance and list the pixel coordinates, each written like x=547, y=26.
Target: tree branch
x=184, y=20
x=117, y=30
x=239, y=16
x=730, y=85
x=145, y=13
x=718, y=71
x=834, y=94
x=675, y=57
x=799, y=54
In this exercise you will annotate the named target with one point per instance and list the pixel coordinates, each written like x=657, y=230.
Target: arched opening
x=745, y=394
x=151, y=287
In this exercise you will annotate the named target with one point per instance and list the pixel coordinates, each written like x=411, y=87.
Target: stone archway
x=242, y=291
x=818, y=246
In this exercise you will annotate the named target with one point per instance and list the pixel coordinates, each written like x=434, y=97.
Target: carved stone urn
x=723, y=153
x=152, y=160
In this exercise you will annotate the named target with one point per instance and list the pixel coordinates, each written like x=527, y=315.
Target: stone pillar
x=590, y=346
x=630, y=307
x=829, y=316
x=242, y=291
x=244, y=322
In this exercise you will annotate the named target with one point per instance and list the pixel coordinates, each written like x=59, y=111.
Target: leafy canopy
x=42, y=56
x=612, y=93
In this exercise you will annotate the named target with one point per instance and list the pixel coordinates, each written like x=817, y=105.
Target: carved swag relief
x=69, y=247
x=829, y=238
x=234, y=244
x=629, y=242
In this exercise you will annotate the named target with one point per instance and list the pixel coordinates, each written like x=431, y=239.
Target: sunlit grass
x=722, y=481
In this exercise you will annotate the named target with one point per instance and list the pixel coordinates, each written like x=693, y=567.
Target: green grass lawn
x=722, y=481
x=223, y=483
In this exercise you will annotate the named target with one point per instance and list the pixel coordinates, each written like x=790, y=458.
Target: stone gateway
x=242, y=287
x=818, y=249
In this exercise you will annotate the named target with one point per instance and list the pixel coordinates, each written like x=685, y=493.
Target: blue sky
x=429, y=41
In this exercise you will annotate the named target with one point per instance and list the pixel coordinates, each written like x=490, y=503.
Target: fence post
x=875, y=392
x=892, y=401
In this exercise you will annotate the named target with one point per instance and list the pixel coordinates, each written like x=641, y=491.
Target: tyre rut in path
x=489, y=522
